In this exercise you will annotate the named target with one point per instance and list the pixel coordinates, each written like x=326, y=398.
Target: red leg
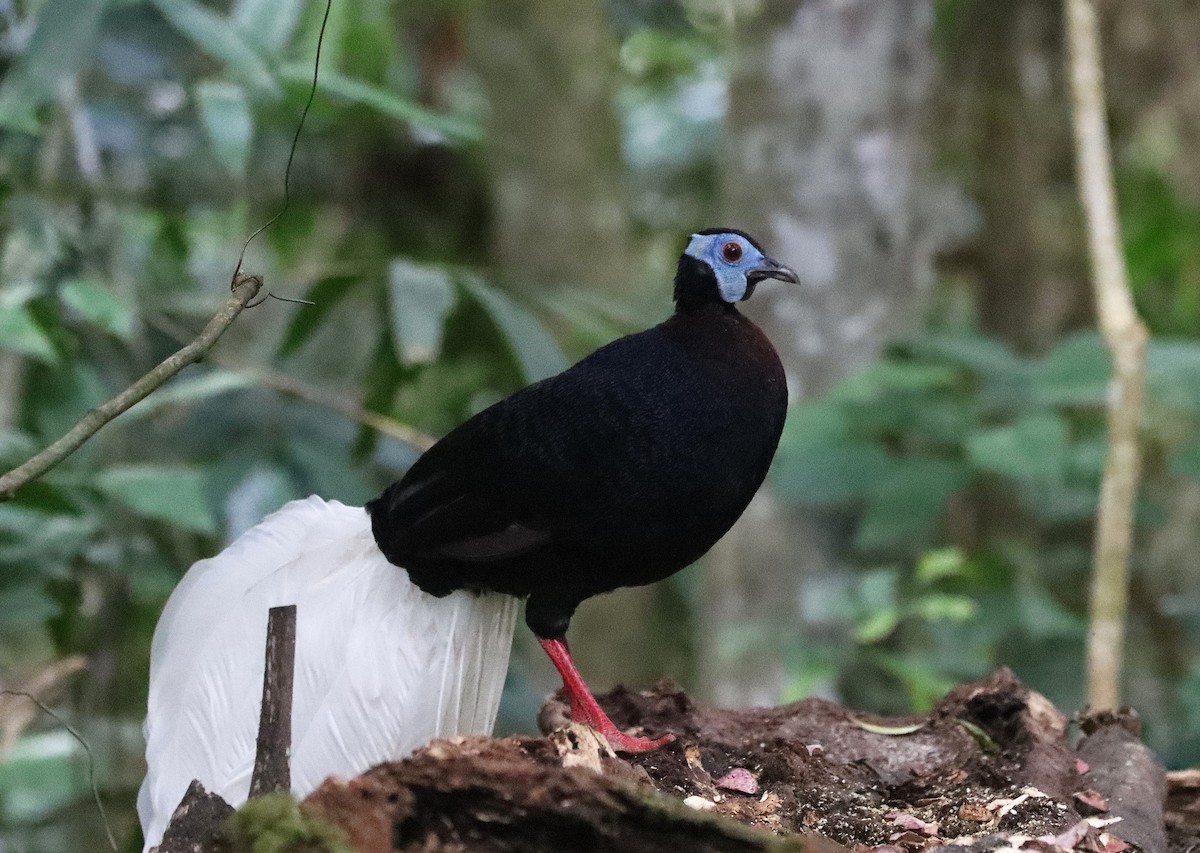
x=585, y=709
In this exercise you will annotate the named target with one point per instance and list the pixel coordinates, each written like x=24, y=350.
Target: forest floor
x=993, y=767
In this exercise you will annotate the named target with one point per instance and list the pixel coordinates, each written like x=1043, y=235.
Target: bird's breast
x=705, y=421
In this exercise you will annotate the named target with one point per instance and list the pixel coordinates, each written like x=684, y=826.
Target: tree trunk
x=828, y=162
x=549, y=72
x=1007, y=119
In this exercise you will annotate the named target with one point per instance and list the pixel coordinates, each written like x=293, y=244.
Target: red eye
x=732, y=251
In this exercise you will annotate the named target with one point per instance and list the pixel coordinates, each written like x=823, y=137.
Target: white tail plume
x=381, y=667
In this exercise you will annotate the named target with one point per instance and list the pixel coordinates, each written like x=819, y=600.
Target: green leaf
x=21, y=333
x=661, y=53
x=383, y=101
x=268, y=22
x=219, y=38
x=815, y=423
x=189, y=390
x=909, y=502
x=1185, y=462
x=890, y=730
x=1058, y=503
x=61, y=44
x=536, y=352
x=324, y=295
x=64, y=395
x=986, y=356
x=1075, y=373
x=833, y=475
x=420, y=298
x=99, y=305
x=380, y=384
x=1088, y=455
x=330, y=475
x=922, y=683
x=945, y=607
x=820, y=463
x=876, y=625
x=15, y=446
x=1033, y=450
x=1043, y=618
x=948, y=562
x=805, y=677
x=889, y=376
x=1003, y=375
x=1173, y=360
x=588, y=325
x=985, y=741
x=161, y=492
x=40, y=775
x=24, y=607
x=226, y=117
x=1173, y=374
x=50, y=542
x=877, y=588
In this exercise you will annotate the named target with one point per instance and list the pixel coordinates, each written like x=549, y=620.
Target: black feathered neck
x=696, y=287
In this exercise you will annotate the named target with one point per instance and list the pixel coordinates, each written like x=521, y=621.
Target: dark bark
x=1182, y=811
x=1128, y=776
x=196, y=823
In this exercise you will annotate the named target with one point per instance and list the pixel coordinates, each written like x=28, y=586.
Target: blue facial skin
x=731, y=275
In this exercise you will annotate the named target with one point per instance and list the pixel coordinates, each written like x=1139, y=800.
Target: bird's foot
x=621, y=742
x=586, y=710
x=591, y=715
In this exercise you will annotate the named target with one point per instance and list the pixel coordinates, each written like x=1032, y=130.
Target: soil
x=992, y=767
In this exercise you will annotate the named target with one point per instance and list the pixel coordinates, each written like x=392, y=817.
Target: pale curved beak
x=769, y=268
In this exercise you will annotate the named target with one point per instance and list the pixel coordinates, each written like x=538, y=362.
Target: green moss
x=275, y=824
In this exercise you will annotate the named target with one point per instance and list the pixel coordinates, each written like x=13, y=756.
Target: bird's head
x=722, y=266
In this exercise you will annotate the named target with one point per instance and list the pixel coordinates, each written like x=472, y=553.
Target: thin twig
x=1125, y=336
x=244, y=290
x=287, y=171
x=87, y=750
x=343, y=404
x=347, y=408
x=16, y=714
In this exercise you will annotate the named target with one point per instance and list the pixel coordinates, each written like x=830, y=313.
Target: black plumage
x=619, y=471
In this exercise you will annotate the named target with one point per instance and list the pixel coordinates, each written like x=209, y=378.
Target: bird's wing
x=381, y=667
x=538, y=465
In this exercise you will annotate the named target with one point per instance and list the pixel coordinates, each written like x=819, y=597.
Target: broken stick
x=272, y=759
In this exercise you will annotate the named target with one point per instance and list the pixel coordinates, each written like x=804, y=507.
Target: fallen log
x=989, y=768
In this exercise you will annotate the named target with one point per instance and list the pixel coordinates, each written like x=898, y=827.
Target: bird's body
x=620, y=471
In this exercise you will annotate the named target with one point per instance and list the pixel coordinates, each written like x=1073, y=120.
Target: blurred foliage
x=966, y=478
x=1162, y=247
x=141, y=141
